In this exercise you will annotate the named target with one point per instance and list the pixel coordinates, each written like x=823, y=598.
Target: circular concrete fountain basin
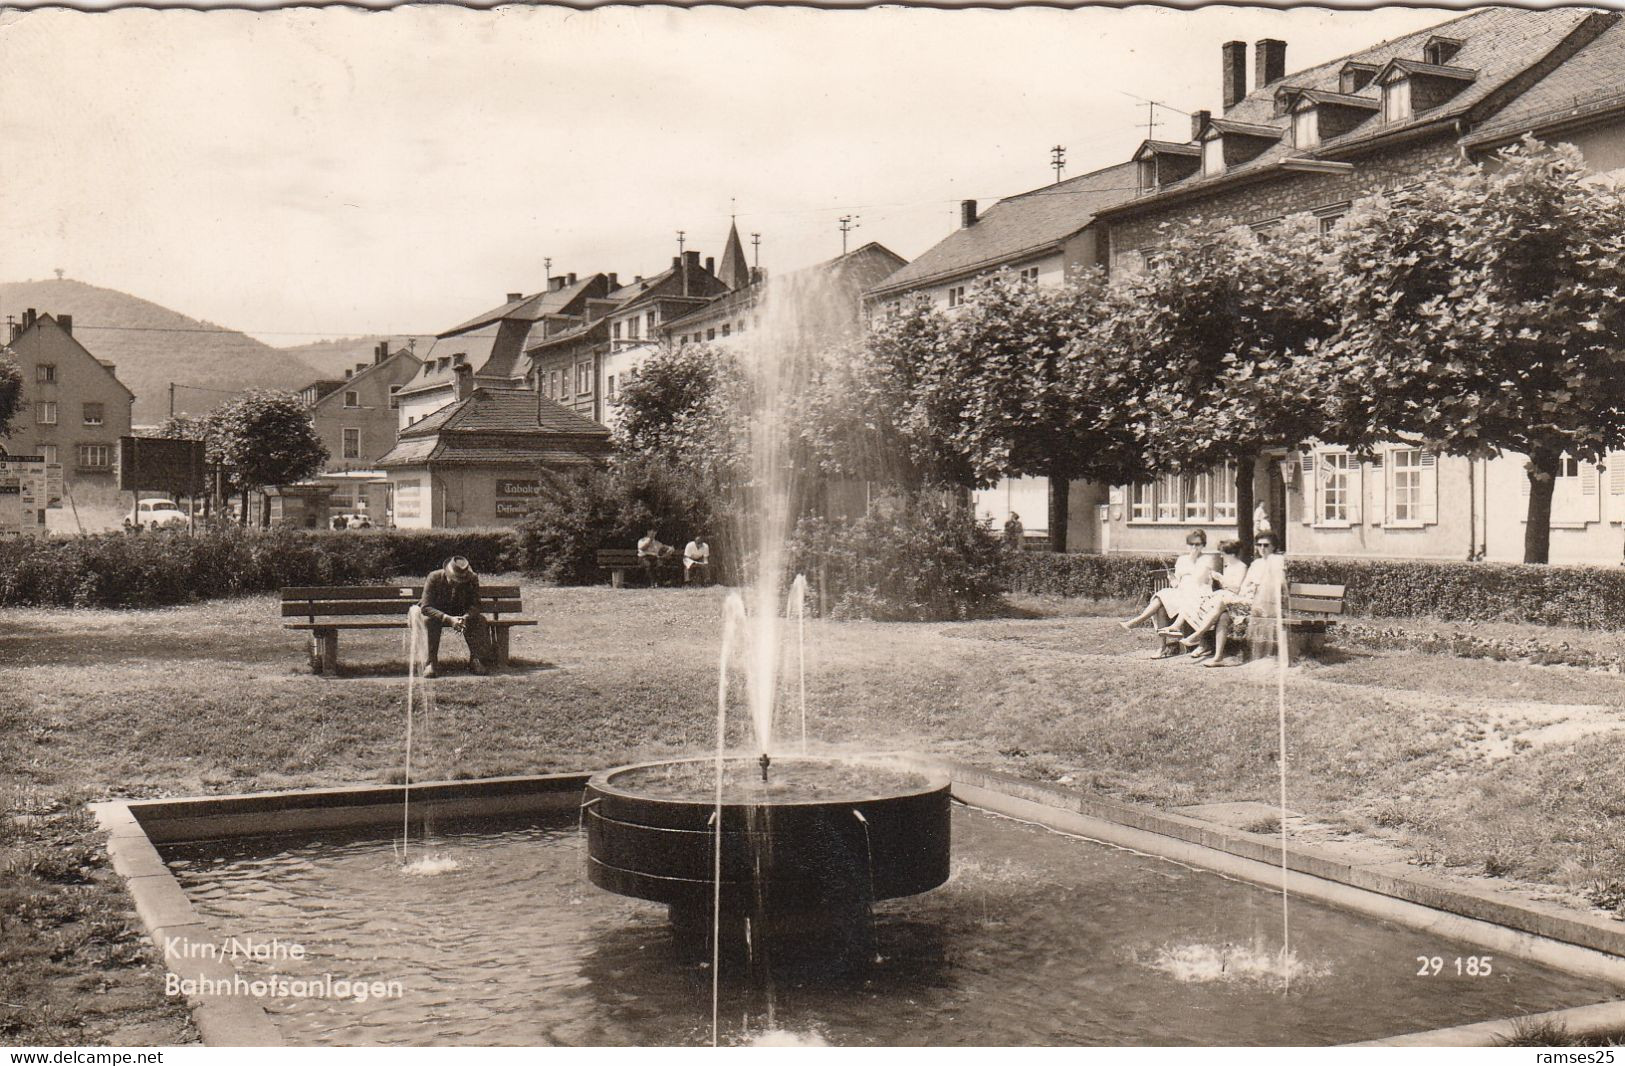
x=820, y=834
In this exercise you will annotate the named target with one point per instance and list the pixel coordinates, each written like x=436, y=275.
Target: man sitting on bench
x=696, y=561
x=451, y=597
x=651, y=553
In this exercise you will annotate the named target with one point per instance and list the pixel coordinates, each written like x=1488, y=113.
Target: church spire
x=734, y=271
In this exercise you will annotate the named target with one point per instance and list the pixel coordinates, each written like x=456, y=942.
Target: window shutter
x=1383, y=473
x=1430, y=488
x=1590, y=497
x=1616, y=474
x=1306, y=470
x=1356, y=484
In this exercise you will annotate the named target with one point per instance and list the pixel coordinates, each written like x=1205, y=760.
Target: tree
x=681, y=408
x=1030, y=382
x=268, y=438
x=1484, y=314
x=1227, y=332
x=11, y=390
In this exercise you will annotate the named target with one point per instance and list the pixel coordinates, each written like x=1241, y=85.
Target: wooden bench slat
x=321, y=593
x=1304, y=588
x=617, y=556
x=297, y=609
x=493, y=622
x=1314, y=605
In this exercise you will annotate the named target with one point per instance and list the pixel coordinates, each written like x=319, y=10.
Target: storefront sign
x=524, y=489
x=512, y=508
x=409, y=499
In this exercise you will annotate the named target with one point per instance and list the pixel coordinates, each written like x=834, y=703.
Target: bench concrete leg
x=617, y=579
x=326, y=642
x=499, y=641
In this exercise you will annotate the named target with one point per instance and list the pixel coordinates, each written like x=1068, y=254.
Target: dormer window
x=1441, y=50
x=1396, y=100
x=1148, y=174
x=1306, y=126
x=1213, y=156
x=1355, y=76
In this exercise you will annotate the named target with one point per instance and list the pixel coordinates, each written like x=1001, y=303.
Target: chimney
x=463, y=381
x=676, y=262
x=359, y=367
x=29, y=316
x=637, y=279
x=381, y=353
x=614, y=282
x=66, y=322
x=1234, y=68
x=710, y=264
x=571, y=281
x=1269, y=61
x=514, y=297
x=347, y=373
x=1198, y=120
x=555, y=283
x=967, y=213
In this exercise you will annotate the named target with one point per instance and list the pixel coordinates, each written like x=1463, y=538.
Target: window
x=45, y=373
x=583, y=378
x=649, y=322
x=727, y=329
x=1396, y=100
x=1353, y=79
x=1576, y=499
x=609, y=386
x=1224, y=493
x=46, y=452
x=1405, y=486
x=1441, y=50
x=394, y=396
x=1329, y=222
x=93, y=414
x=553, y=384
x=352, y=398
x=1212, y=156
x=711, y=334
x=615, y=331
x=95, y=456
x=352, y=443
x=1142, y=502
x=632, y=328
x=1030, y=274
x=45, y=412
x=1198, y=507
x=1306, y=128
x=1147, y=171
x=956, y=296
x=459, y=359
x=1335, y=477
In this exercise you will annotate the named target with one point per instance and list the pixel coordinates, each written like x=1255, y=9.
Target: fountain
x=764, y=847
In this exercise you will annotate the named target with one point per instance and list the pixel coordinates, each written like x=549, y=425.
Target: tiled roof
x=857, y=270
x=527, y=308
x=1019, y=226
x=402, y=354
x=1592, y=80
x=1499, y=44
x=505, y=411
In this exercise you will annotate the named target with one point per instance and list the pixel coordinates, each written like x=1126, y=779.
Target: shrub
x=612, y=507
x=159, y=569
x=1100, y=577
x=921, y=559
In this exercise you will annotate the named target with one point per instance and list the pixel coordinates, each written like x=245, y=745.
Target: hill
x=152, y=346
x=330, y=359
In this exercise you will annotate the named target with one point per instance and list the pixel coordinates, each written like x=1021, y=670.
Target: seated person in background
x=451, y=597
x=1192, y=579
x=696, y=561
x=651, y=552
x=1013, y=532
x=1258, y=595
x=1229, y=579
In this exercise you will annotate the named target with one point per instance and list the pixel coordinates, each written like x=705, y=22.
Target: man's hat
x=458, y=566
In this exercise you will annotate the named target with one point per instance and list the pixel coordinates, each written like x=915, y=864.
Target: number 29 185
x=1468, y=966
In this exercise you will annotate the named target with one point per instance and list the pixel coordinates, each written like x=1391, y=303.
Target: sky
x=316, y=173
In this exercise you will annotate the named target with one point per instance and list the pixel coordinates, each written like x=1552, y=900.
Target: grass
x=219, y=698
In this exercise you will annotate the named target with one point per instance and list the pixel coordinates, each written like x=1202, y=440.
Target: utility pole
x=547, y=271
x=756, y=251
x=682, y=264
x=1057, y=159
x=171, y=399
x=848, y=224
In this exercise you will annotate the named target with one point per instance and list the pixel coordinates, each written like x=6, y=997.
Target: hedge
x=1579, y=596
x=163, y=568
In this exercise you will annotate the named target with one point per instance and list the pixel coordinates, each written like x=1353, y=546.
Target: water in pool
x=495, y=937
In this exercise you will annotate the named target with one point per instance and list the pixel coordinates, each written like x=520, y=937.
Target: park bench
x=1311, y=610
x=619, y=560
x=326, y=610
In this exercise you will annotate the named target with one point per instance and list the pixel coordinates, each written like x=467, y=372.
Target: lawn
x=1478, y=768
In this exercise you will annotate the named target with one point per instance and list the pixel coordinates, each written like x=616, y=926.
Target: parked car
x=351, y=521
x=156, y=512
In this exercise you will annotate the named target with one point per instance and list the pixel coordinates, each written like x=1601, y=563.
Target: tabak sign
x=516, y=496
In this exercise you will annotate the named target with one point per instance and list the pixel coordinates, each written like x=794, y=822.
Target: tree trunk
x=1537, y=530
x=242, y=519
x=1060, y=500
x=1246, y=471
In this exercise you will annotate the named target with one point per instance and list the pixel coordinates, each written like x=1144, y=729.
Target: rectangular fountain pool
x=492, y=935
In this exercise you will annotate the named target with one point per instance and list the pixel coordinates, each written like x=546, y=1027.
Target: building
x=485, y=458
x=1315, y=140
x=74, y=409
x=1045, y=236
x=567, y=363
x=492, y=344
x=358, y=419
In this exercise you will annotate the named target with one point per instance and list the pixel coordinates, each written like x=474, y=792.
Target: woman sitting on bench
x=1191, y=580
x=1200, y=621
x=1259, y=595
